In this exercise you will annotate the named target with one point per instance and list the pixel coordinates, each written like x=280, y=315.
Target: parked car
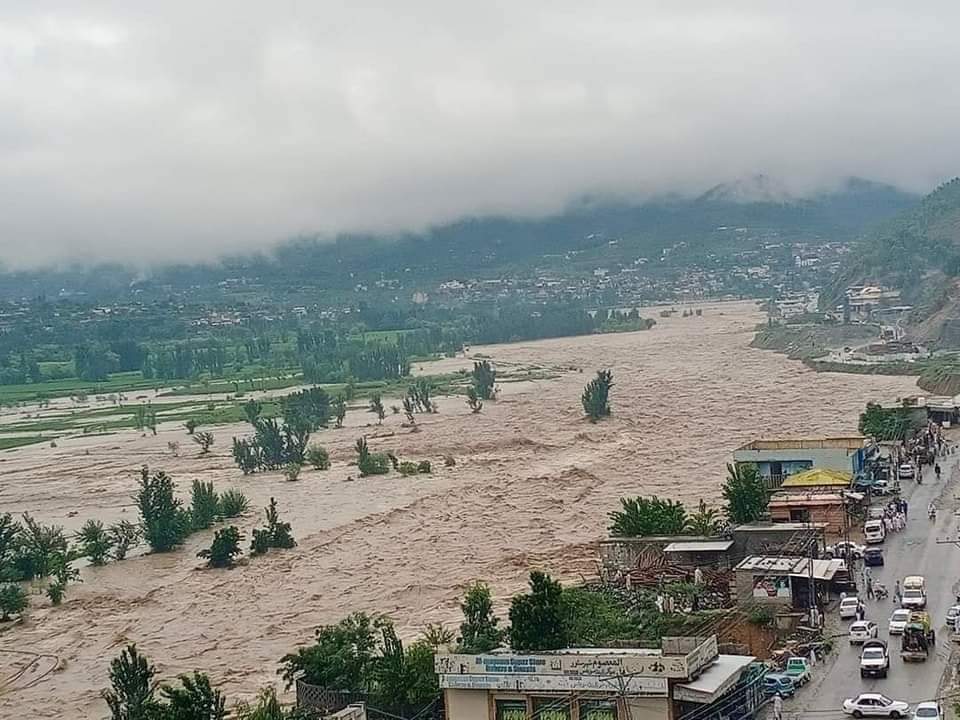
x=881, y=487
x=930, y=710
x=906, y=472
x=848, y=607
x=874, y=532
x=798, y=670
x=778, y=684
x=844, y=548
x=913, y=598
x=873, y=557
x=862, y=630
x=898, y=620
x=876, y=513
x=874, y=659
x=875, y=705
x=952, y=614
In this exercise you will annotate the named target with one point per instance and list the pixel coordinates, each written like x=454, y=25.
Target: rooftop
x=781, y=526
x=715, y=680
x=791, y=566
x=699, y=546
x=818, y=477
x=854, y=442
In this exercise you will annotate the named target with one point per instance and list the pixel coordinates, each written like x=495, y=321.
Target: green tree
x=42, y=544
x=484, y=377
x=437, y=636
x=195, y=699
x=308, y=408
x=404, y=678
x=13, y=601
x=597, y=619
x=252, y=410
x=641, y=517
x=163, y=520
x=596, y=396
x=341, y=657
x=204, y=505
x=705, y=521
x=233, y=503
x=132, y=687
x=747, y=497
x=95, y=542
x=224, y=548
x=478, y=631
x=191, y=426
x=376, y=407
x=536, y=619
x=63, y=574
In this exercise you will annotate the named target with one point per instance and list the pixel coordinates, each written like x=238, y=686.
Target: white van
x=914, y=594
x=874, y=532
x=848, y=607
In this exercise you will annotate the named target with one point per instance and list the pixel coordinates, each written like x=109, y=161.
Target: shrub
x=596, y=396
x=408, y=468
x=224, y=548
x=292, y=471
x=449, y=461
x=204, y=505
x=233, y=503
x=641, y=517
x=191, y=425
x=124, y=535
x=318, y=457
x=276, y=534
x=374, y=464
x=204, y=440
x=424, y=467
x=13, y=601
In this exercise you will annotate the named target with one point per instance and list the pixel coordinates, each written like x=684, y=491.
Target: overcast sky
x=177, y=130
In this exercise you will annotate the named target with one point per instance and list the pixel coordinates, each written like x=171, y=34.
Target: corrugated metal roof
x=699, y=546
x=818, y=477
x=792, y=566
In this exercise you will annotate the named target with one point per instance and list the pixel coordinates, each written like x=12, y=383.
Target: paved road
x=913, y=551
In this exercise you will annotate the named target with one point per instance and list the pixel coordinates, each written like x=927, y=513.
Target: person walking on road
x=777, y=707
x=896, y=593
x=869, y=590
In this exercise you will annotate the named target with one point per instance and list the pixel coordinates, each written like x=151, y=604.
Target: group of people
x=895, y=515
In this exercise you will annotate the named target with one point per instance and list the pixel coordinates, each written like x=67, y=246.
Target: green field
x=8, y=443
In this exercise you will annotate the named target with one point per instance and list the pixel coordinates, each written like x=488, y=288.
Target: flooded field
x=532, y=487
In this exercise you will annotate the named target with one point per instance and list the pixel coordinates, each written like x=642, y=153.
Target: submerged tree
x=204, y=440
x=596, y=396
x=642, y=517
x=123, y=536
x=339, y=411
x=251, y=411
x=224, y=548
x=95, y=542
x=13, y=601
x=473, y=400
x=484, y=377
x=195, y=699
x=162, y=518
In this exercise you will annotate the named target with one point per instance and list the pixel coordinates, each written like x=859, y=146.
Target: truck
x=798, y=670
x=918, y=638
x=874, y=659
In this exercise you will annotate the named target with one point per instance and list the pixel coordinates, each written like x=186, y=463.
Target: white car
x=898, y=621
x=843, y=548
x=929, y=711
x=848, y=607
x=913, y=598
x=875, y=705
x=906, y=471
x=952, y=614
x=862, y=630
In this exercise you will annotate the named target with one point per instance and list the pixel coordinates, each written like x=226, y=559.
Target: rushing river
x=532, y=486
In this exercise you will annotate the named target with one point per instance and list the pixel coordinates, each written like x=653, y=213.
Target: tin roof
x=699, y=546
x=818, y=477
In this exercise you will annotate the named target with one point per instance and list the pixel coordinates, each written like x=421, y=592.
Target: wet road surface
x=912, y=551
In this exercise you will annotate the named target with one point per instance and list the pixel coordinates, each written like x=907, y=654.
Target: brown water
x=532, y=488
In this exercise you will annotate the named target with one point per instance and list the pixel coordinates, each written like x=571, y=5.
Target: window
x=800, y=515
x=598, y=710
x=511, y=710
x=551, y=708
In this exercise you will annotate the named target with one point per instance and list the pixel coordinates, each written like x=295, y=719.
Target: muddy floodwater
x=532, y=487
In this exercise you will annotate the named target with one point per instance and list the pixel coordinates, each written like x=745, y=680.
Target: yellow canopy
x=818, y=477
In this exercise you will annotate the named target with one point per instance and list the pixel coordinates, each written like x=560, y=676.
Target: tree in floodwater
x=596, y=396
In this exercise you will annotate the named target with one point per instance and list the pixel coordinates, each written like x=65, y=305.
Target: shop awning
x=714, y=681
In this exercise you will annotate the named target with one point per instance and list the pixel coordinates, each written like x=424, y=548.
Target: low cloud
x=167, y=131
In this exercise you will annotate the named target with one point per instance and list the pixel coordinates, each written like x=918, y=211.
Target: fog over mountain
x=177, y=130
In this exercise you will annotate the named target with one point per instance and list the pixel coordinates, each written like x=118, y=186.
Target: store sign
x=571, y=664
x=645, y=686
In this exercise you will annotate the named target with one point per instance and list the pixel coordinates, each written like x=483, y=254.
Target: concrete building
x=825, y=508
x=590, y=684
x=778, y=459
x=785, y=539
x=783, y=581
